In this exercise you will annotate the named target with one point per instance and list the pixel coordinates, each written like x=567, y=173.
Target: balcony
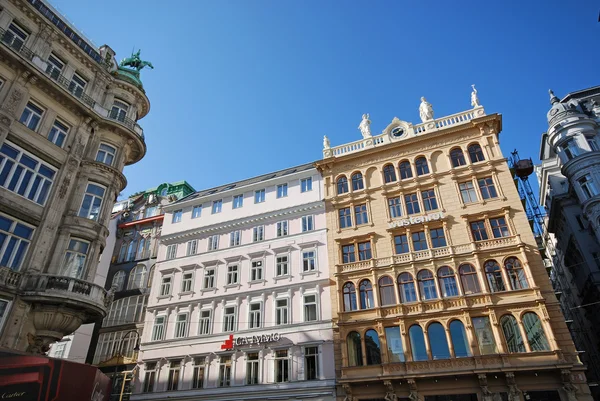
x=65, y=83
x=15, y=44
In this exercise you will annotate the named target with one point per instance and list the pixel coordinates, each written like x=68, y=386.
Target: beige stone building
x=67, y=128
x=439, y=290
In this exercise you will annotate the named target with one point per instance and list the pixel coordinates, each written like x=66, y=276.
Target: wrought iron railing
x=15, y=43
x=66, y=83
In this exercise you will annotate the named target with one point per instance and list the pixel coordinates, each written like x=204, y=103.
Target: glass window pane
x=485, y=336
x=417, y=343
x=372, y=348
x=394, y=344
x=459, y=339
x=535, y=332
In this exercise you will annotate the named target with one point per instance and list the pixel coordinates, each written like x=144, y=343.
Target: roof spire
x=553, y=98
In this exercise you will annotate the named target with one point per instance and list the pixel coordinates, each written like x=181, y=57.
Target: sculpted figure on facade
x=390, y=395
x=365, y=126
x=326, y=143
x=474, y=98
x=425, y=110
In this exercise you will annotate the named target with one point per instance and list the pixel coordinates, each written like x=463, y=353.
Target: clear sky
x=242, y=88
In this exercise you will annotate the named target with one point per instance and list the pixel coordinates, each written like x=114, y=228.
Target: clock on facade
x=397, y=132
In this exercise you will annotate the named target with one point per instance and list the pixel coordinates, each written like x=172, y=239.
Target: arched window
x=438, y=343
x=475, y=153
x=426, y=285
x=131, y=249
x=535, y=333
x=417, y=343
x=512, y=335
x=387, y=295
x=405, y=170
x=118, y=280
x=516, y=274
x=389, y=173
x=354, y=349
x=372, y=348
x=494, y=276
x=357, y=182
x=137, y=277
x=150, y=275
x=459, y=339
x=349, y=297
x=469, y=280
x=141, y=247
x=421, y=166
x=458, y=158
x=447, y=282
x=366, y=295
x=122, y=252
x=406, y=285
x=342, y=185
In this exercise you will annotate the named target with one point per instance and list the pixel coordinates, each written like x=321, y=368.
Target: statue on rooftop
x=474, y=98
x=135, y=62
x=326, y=144
x=425, y=110
x=364, y=126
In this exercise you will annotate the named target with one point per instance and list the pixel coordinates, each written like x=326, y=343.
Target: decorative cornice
x=119, y=177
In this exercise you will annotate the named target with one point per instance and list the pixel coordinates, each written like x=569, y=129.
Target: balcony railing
x=65, y=83
x=11, y=41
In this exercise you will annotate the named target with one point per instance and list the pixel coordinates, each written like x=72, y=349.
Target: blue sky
x=241, y=88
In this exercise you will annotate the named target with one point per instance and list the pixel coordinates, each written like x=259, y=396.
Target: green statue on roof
x=135, y=62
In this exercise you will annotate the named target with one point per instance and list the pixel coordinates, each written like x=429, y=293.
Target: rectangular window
x=232, y=274
x=259, y=196
x=395, y=207
x=256, y=273
x=24, y=174
x=165, y=286
x=310, y=308
x=360, y=214
x=158, y=330
x=149, y=211
x=58, y=350
x=419, y=241
x=216, y=206
x=587, y=186
x=106, y=154
x=487, y=188
x=150, y=377
x=213, y=242
x=485, y=336
x=75, y=257
x=429, y=200
x=309, y=261
x=252, y=368
x=198, y=378
x=282, y=265
x=77, y=85
x=311, y=363
x=394, y=344
x=15, y=238
x=364, y=250
x=412, y=204
x=348, y=254
x=209, y=278
x=235, y=238
x=119, y=110
x=258, y=233
x=181, y=325
x=254, y=316
x=592, y=142
x=92, y=202
x=229, y=319
x=478, y=230
x=438, y=239
x=187, y=281
x=467, y=192
x=31, y=116
x=281, y=312
x=225, y=371
x=570, y=148
x=282, y=228
x=15, y=37
x=54, y=66
x=204, y=323
x=282, y=190
x=345, y=217
x=4, y=309
x=58, y=133
x=499, y=227
x=171, y=251
x=238, y=201
x=282, y=366
x=306, y=184
x=192, y=247
x=197, y=211
x=401, y=244
x=307, y=223
x=177, y=216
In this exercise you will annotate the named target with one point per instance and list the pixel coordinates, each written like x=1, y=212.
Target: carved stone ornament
x=348, y=391
x=487, y=394
x=412, y=385
x=37, y=345
x=390, y=395
x=13, y=101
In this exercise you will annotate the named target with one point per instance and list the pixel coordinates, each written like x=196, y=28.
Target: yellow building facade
x=438, y=289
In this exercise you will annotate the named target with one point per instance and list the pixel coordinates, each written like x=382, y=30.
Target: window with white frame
x=213, y=242
x=309, y=261
x=229, y=318
x=25, y=174
x=258, y=233
x=187, y=280
x=77, y=85
x=150, y=377
x=118, y=280
x=137, y=277
x=15, y=237
x=204, y=323
x=256, y=272
x=395, y=207
x=119, y=110
x=209, y=278
x=282, y=366
x=570, y=148
x=31, y=116
x=311, y=363
x=281, y=311
x=58, y=350
x=196, y=211
x=282, y=228
x=158, y=330
x=177, y=215
x=198, y=374
x=75, y=258
x=238, y=201
x=224, y=371
x=4, y=309
x=173, y=379
x=92, y=201
x=149, y=211
x=58, y=133
x=126, y=310
x=282, y=265
x=588, y=187
x=192, y=247
x=106, y=154
x=233, y=274
x=171, y=251
x=235, y=238
x=310, y=308
x=54, y=66
x=252, y=368
x=259, y=196
x=217, y=206
x=467, y=192
x=165, y=285
x=306, y=184
x=307, y=223
x=282, y=190
x=181, y=325
x=254, y=315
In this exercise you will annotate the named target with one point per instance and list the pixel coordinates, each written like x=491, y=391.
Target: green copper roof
x=131, y=76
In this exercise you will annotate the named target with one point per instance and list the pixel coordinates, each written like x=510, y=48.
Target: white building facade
x=240, y=306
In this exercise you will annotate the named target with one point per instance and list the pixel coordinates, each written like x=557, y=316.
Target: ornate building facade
x=67, y=128
x=439, y=290
x=239, y=306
